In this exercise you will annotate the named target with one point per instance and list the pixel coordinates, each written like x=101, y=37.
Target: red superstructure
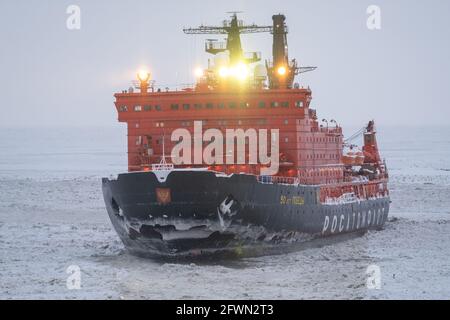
x=224, y=98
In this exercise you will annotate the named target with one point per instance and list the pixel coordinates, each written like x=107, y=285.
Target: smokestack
x=281, y=71
x=280, y=48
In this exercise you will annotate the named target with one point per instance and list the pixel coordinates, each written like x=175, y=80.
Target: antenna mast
x=233, y=29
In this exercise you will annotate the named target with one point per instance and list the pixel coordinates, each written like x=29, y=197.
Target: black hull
x=197, y=213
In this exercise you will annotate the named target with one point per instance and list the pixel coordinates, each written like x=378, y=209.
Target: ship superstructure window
x=137, y=108
x=209, y=106
x=147, y=108
x=123, y=109
x=221, y=105
x=299, y=104
x=244, y=105
x=285, y=104
x=174, y=106
x=262, y=121
x=138, y=140
x=186, y=106
x=286, y=121
x=274, y=104
x=159, y=124
x=232, y=105
x=262, y=104
x=197, y=106
x=158, y=108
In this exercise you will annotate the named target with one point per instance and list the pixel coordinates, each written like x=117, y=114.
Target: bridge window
x=147, y=108
x=245, y=105
x=197, y=106
x=232, y=105
x=137, y=108
x=261, y=104
x=209, y=106
x=274, y=104
x=158, y=108
x=221, y=105
x=299, y=104
x=285, y=104
x=123, y=109
x=186, y=106
x=174, y=107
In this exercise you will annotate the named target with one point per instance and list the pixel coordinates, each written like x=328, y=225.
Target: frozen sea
x=52, y=217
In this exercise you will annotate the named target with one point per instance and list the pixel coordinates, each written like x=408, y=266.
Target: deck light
x=143, y=75
x=224, y=72
x=281, y=71
x=198, y=72
x=238, y=71
x=241, y=71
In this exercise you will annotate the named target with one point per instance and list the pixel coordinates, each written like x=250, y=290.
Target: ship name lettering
x=334, y=224
x=295, y=200
x=341, y=223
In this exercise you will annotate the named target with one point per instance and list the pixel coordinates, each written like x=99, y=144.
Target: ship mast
x=233, y=29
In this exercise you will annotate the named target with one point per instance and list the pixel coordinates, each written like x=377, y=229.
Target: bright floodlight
x=143, y=75
x=198, y=72
x=223, y=72
x=241, y=71
x=281, y=71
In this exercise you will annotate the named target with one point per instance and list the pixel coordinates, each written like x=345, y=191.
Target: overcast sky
x=50, y=75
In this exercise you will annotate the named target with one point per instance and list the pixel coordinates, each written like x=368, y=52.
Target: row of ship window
x=198, y=106
x=319, y=139
x=161, y=124
x=321, y=156
x=320, y=173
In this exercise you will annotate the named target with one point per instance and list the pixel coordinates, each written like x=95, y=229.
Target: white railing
x=162, y=167
x=276, y=179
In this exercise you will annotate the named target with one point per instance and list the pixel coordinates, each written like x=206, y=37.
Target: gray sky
x=53, y=76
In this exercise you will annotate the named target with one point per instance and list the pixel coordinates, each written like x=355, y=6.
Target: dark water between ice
x=52, y=217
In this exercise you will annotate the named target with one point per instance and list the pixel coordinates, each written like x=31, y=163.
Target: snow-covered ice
x=52, y=216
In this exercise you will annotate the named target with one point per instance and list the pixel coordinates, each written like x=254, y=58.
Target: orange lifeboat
x=359, y=158
x=349, y=158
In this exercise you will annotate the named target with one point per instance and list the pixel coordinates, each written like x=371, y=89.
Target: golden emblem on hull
x=163, y=195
